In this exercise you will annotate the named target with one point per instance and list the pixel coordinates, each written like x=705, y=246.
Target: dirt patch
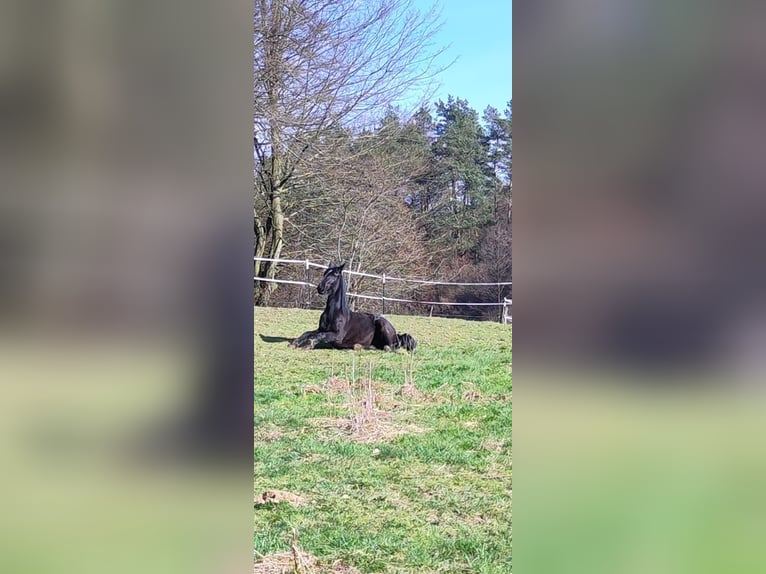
x=471, y=393
x=336, y=385
x=497, y=475
x=493, y=445
x=447, y=393
x=267, y=433
x=444, y=518
x=410, y=391
x=296, y=561
x=277, y=496
x=316, y=458
x=476, y=519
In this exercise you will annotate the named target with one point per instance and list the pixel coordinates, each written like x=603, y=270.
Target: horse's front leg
x=304, y=339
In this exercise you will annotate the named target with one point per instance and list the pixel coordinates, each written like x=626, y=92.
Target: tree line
x=425, y=194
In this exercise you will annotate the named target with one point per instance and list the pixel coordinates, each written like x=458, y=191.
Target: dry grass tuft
x=370, y=405
x=296, y=561
x=286, y=563
x=379, y=429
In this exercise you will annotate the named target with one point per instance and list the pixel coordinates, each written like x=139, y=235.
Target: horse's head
x=331, y=278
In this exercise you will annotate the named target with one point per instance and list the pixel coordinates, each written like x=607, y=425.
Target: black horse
x=341, y=328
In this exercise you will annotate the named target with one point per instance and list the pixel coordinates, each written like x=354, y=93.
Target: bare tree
x=322, y=66
x=360, y=213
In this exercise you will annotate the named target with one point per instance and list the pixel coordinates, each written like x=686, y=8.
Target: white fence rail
x=505, y=304
x=384, y=277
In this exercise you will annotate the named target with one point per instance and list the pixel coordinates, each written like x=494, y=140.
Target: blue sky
x=478, y=34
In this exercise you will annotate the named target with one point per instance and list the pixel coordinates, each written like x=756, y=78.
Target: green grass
x=435, y=499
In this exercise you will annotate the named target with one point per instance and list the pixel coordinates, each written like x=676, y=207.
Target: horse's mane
x=337, y=304
x=344, y=308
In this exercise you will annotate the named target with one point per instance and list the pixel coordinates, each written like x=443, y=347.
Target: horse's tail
x=407, y=342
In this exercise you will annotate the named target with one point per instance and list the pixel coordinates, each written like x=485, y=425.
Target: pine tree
x=463, y=182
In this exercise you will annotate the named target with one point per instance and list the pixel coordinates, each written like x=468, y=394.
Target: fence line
x=303, y=283
x=306, y=263
x=507, y=310
x=377, y=298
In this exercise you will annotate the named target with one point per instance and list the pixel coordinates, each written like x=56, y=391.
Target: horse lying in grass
x=341, y=328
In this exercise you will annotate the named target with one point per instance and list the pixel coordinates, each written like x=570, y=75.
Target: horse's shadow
x=270, y=339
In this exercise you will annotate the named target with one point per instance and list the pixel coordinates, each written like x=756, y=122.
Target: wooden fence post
x=507, y=310
x=383, y=300
x=308, y=286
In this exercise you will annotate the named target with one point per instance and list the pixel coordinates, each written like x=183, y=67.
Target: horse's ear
x=342, y=265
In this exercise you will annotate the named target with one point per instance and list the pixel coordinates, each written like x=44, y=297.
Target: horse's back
x=371, y=330
x=360, y=330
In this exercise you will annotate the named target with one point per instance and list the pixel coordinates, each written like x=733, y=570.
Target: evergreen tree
x=499, y=142
x=464, y=183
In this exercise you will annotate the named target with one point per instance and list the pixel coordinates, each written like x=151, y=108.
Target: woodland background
x=347, y=168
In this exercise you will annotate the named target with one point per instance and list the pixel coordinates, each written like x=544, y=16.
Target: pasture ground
x=366, y=461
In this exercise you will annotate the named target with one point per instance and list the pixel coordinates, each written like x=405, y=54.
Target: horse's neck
x=336, y=302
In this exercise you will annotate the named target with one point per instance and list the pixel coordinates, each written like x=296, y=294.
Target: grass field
x=383, y=462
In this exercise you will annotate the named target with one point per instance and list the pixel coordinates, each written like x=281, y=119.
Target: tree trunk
x=260, y=242
x=272, y=236
x=274, y=233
